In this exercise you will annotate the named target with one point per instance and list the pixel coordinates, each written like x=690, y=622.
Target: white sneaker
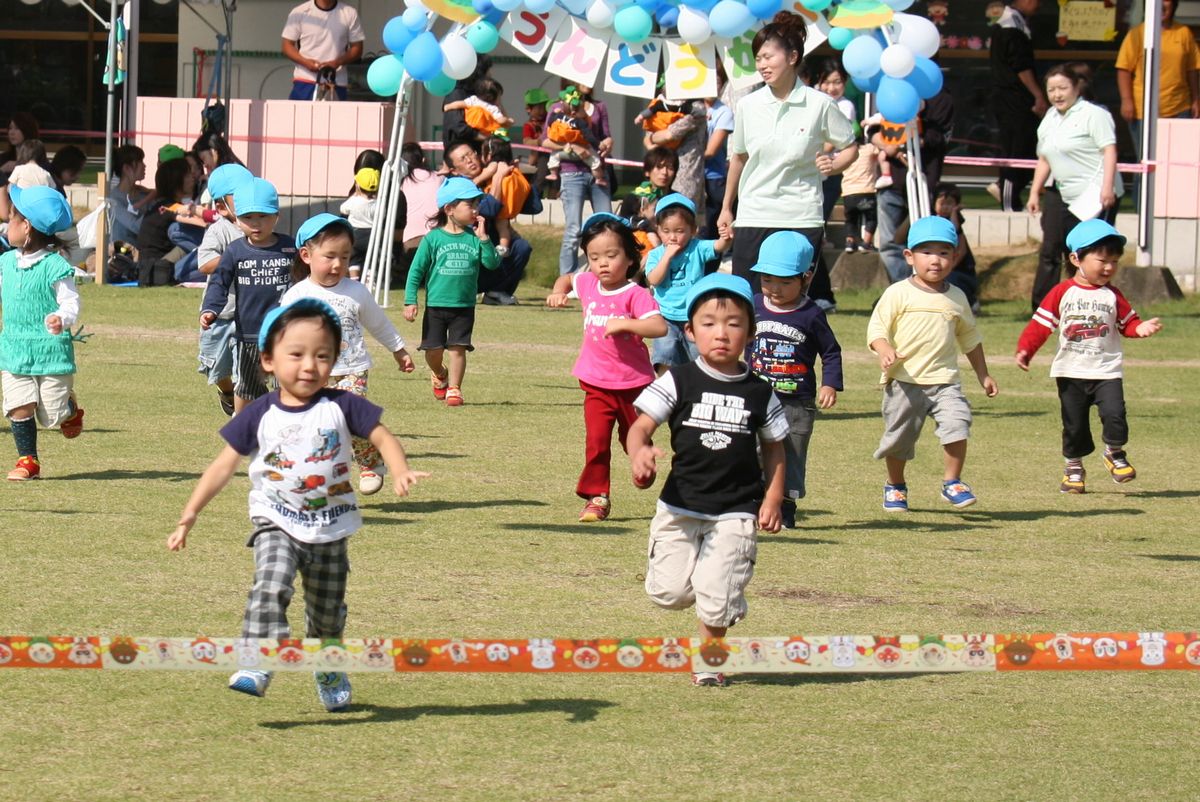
x=333, y=689
x=993, y=189
x=501, y=251
x=252, y=683
x=369, y=483
x=883, y=182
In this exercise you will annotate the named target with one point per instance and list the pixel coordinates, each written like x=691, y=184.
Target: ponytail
x=787, y=30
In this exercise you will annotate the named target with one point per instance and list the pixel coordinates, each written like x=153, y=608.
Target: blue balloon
x=926, y=78
x=870, y=85
x=700, y=5
x=897, y=100
x=633, y=24
x=440, y=85
x=667, y=16
x=730, y=18
x=483, y=36
x=764, y=9
x=539, y=6
x=861, y=56
x=415, y=18
x=396, y=35
x=898, y=5
x=482, y=7
x=496, y=17
x=423, y=57
x=816, y=5
x=507, y=5
x=840, y=37
x=384, y=75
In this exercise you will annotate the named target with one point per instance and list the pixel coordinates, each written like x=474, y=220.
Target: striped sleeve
x=775, y=428
x=1044, y=322
x=1127, y=318
x=659, y=399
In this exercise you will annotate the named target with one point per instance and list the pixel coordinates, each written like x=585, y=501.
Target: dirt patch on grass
x=831, y=599
x=995, y=608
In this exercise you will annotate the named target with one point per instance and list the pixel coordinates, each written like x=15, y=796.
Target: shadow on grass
x=117, y=473
x=434, y=455
x=815, y=679
x=569, y=529
x=980, y=516
x=1001, y=413
x=826, y=415
x=1173, y=558
x=1162, y=494
x=431, y=505
x=797, y=541
x=909, y=525
x=578, y=711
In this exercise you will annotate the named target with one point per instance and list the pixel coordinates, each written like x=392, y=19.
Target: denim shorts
x=216, y=351
x=674, y=347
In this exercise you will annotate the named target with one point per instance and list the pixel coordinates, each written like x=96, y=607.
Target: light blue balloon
x=860, y=58
x=507, y=5
x=816, y=5
x=423, y=57
x=539, y=6
x=870, y=85
x=384, y=74
x=667, y=16
x=633, y=24
x=897, y=100
x=898, y=5
x=840, y=37
x=730, y=18
x=415, y=18
x=764, y=9
x=926, y=78
x=440, y=85
x=483, y=36
x=396, y=35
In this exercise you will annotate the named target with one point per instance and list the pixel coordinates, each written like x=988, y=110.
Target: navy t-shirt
x=785, y=347
x=261, y=275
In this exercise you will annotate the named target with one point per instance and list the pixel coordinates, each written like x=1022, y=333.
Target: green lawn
x=490, y=546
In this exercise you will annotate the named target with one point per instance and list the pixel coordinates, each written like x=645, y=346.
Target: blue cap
x=44, y=207
x=723, y=282
x=300, y=305
x=225, y=179
x=318, y=223
x=932, y=229
x=674, y=199
x=255, y=195
x=600, y=217
x=1089, y=232
x=457, y=188
x=785, y=254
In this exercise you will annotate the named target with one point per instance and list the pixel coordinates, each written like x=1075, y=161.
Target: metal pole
x=133, y=32
x=112, y=100
x=377, y=268
x=1150, y=78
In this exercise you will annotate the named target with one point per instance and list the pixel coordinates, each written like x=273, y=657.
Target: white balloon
x=918, y=34
x=693, y=26
x=897, y=60
x=601, y=14
x=458, y=57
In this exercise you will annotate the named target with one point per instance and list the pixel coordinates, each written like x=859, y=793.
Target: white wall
x=258, y=25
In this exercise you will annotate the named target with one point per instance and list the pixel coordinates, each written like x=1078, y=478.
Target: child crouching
x=703, y=539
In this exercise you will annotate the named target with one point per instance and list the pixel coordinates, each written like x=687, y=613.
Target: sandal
x=439, y=385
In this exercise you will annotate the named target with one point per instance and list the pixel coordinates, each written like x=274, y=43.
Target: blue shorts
x=674, y=347
x=216, y=351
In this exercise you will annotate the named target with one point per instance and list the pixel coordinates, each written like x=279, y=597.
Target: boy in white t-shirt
x=1091, y=315
x=302, y=504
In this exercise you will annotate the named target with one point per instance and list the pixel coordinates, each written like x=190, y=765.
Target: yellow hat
x=367, y=179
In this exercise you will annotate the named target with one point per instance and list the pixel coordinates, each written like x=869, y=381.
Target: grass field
x=490, y=546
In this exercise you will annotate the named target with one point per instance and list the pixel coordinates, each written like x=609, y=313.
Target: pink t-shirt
x=614, y=363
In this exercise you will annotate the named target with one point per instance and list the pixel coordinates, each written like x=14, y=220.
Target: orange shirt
x=1178, y=55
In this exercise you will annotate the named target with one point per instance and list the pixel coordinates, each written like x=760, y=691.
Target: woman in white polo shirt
x=777, y=156
x=1077, y=149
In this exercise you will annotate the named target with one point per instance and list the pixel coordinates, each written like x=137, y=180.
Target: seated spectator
x=22, y=126
x=498, y=286
x=128, y=198
x=66, y=166
x=170, y=230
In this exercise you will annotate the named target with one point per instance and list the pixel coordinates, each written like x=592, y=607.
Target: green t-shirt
x=448, y=265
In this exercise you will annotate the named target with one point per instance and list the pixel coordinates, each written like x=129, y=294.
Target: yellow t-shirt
x=1178, y=55
x=929, y=328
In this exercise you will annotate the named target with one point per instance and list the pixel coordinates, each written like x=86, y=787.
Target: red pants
x=601, y=409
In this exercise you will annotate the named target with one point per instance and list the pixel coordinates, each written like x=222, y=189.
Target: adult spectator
x=776, y=155
x=498, y=286
x=170, y=231
x=127, y=198
x=321, y=35
x=576, y=181
x=66, y=166
x=454, y=121
x=689, y=137
x=1178, y=76
x=1077, y=148
x=716, y=160
x=21, y=126
x=934, y=121
x=1016, y=99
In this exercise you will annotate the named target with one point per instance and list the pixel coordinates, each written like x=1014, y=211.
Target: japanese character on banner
x=691, y=70
x=738, y=58
x=577, y=52
x=632, y=69
x=531, y=33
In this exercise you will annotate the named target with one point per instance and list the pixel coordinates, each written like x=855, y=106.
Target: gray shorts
x=905, y=407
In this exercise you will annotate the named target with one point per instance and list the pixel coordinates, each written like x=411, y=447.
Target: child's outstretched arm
x=214, y=478
x=454, y=105
x=557, y=299
x=1148, y=328
x=723, y=243
x=979, y=363
x=769, y=518
x=642, y=451
x=647, y=327
x=403, y=477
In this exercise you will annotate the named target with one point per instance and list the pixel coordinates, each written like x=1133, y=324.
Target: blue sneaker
x=895, y=498
x=958, y=493
x=333, y=688
x=253, y=683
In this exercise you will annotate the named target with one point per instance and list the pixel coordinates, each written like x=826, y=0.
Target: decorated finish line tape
x=825, y=654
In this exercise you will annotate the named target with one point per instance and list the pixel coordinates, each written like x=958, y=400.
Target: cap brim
x=778, y=270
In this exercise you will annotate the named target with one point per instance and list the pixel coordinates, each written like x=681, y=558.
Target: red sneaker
x=596, y=510
x=453, y=397
x=440, y=385
x=27, y=468
x=73, y=425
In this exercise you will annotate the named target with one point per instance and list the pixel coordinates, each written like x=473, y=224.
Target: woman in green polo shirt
x=1077, y=149
x=777, y=156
